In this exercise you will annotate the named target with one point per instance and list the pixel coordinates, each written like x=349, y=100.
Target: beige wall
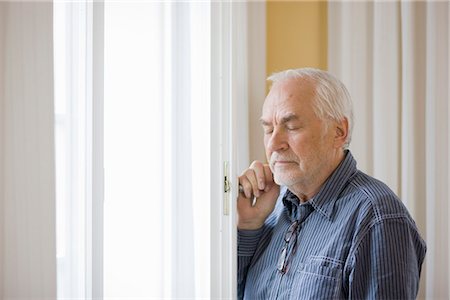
x=296, y=36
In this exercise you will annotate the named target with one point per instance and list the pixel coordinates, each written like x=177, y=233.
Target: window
x=71, y=143
x=155, y=218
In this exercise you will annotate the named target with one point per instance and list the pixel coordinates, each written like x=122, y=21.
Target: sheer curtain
x=157, y=150
x=164, y=235
x=27, y=190
x=155, y=235
x=394, y=57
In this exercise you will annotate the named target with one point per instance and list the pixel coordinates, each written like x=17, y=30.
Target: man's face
x=298, y=145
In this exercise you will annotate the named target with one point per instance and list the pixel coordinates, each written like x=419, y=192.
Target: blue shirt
x=355, y=240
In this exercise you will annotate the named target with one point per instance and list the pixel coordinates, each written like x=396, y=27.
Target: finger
x=247, y=188
x=258, y=168
x=268, y=176
x=250, y=175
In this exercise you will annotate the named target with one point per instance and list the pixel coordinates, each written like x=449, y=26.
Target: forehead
x=292, y=96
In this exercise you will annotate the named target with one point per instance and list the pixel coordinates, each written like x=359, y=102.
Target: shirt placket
x=283, y=281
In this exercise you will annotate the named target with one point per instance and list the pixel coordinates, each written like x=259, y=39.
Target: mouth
x=282, y=163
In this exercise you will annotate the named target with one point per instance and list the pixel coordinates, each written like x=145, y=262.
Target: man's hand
x=256, y=181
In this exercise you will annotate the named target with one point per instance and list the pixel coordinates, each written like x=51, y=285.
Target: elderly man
x=310, y=224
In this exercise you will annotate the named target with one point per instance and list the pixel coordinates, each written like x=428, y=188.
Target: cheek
x=298, y=143
x=266, y=149
x=305, y=147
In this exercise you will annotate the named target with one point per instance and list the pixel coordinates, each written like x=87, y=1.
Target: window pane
x=70, y=146
x=133, y=150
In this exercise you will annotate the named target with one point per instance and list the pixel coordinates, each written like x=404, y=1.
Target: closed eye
x=268, y=130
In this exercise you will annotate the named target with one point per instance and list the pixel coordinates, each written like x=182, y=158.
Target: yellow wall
x=296, y=35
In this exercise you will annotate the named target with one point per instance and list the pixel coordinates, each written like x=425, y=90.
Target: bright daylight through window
x=71, y=147
x=156, y=229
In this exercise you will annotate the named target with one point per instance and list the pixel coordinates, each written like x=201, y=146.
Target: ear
x=341, y=133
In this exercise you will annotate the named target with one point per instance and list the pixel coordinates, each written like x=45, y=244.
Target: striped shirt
x=355, y=240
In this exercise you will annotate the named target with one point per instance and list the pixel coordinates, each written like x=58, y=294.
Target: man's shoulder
x=376, y=197
x=376, y=208
x=380, y=211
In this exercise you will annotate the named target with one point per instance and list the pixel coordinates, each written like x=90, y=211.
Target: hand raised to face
x=256, y=181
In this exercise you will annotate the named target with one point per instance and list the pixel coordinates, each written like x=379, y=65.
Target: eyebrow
x=285, y=119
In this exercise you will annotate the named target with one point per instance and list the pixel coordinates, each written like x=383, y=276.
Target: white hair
x=333, y=99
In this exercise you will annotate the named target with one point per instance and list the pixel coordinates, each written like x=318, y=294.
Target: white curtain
x=157, y=150
x=394, y=57
x=171, y=115
x=27, y=191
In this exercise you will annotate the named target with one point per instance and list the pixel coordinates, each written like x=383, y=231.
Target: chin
x=284, y=180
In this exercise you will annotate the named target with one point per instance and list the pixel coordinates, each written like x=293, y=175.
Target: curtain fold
x=437, y=149
x=2, y=117
x=385, y=55
x=28, y=192
x=181, y=83
x=393, y=56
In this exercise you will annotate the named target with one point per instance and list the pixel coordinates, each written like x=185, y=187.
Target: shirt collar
x=325, y=199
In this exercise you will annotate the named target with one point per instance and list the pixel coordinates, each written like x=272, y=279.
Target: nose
x=276, y=141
